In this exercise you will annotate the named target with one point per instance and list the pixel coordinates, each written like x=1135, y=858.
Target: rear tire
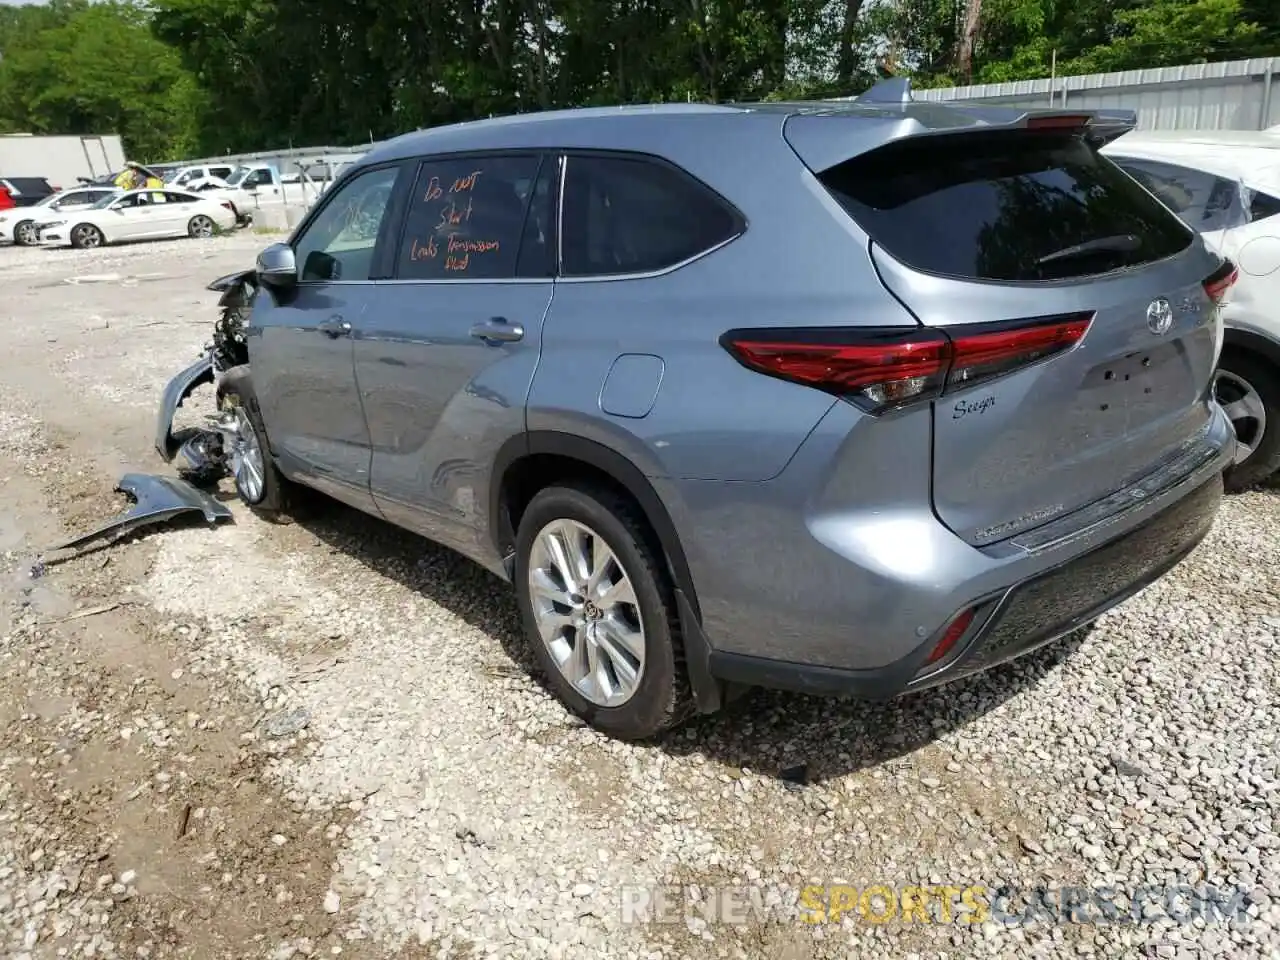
x=85, y=236
x=1248, y=387
x=608, y=641
x=259, y=482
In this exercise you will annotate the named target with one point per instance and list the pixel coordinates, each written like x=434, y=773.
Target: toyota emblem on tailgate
x=1159, y=317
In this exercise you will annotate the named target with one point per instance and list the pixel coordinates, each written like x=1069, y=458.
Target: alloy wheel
x=247, y=463
x=25, y=234
x=586, y=611
x=87, y=237
x=1245, y=409
x=201, y=226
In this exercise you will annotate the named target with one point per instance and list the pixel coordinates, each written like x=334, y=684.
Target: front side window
x=636, y=215
x=1203, y=201
x=339, y=243
x=467, y=216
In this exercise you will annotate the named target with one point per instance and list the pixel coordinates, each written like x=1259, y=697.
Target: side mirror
x=277, y=267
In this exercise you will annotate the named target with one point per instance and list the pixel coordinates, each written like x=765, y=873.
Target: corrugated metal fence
x=1232, y=95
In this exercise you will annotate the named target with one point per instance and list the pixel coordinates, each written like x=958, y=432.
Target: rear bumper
x=1018, y=619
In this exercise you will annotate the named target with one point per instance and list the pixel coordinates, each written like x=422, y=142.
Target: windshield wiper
x=1120, y=243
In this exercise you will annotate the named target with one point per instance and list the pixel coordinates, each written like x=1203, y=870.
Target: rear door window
x=1204, y=201
x=1004, y=206
x=467, y=217
x=626, y=215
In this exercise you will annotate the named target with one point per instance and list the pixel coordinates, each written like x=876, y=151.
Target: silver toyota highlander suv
x=850, y=397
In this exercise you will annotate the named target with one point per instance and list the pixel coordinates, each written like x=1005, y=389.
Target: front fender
x=175, y=391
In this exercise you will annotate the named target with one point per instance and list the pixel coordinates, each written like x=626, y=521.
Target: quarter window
x=635, y=215
x=339, y=243
x=467, y=217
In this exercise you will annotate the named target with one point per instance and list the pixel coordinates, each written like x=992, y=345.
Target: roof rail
x=893, y=90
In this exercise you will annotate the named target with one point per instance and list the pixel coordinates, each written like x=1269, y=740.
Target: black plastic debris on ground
x=157, y=499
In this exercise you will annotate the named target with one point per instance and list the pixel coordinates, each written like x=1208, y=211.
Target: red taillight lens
x=227, y=205
x=1220, y=281
x=955, y=630
x=988, y=353
x=882, y=368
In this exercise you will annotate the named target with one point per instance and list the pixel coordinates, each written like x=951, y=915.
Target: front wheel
x=1248, y=388
x=258, y=481
x=85, y=236
x=599, y=611
x=24, y=234
x=201, y=227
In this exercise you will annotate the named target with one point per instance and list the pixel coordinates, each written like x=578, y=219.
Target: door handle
x=335, y=327
x=497, y=330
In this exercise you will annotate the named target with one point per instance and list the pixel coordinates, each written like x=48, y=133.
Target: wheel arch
x=533, y=460
x=1252, y=342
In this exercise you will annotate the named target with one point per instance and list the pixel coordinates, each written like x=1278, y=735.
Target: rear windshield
x=1007, y=206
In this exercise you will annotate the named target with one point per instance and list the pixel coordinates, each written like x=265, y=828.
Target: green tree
x=81, y=68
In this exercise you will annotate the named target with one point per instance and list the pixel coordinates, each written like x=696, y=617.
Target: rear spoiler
x=1106, y=125
x=1100, y=126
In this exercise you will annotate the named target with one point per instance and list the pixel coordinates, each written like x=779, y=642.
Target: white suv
x=1226, y=185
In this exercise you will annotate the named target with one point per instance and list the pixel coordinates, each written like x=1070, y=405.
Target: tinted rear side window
x=624, y=215
x=466, y=218
x=1004, y=206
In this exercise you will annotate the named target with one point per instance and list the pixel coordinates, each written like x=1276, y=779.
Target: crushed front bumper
x=177, y=390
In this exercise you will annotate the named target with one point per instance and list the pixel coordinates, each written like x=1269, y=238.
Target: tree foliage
x=185, y=77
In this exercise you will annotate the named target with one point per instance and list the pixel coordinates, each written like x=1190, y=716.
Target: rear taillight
x=1220, y=281
x=883, y=368
x=227, y=204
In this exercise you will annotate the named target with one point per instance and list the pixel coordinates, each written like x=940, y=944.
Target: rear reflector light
x=882, y=368
x=955, y=630
x=1221, y=280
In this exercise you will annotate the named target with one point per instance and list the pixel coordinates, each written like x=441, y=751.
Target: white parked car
x=19, y=224
x=139, y=215
x=1226, y=185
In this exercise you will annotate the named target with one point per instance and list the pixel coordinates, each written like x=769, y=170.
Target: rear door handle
x=335, y=327
x=498, y=330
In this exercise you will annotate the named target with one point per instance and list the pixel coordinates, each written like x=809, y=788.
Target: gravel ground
x=326, y=738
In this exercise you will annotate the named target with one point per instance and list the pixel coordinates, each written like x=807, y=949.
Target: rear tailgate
x=993, y=235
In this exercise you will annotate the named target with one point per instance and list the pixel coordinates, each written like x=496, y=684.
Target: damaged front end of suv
x=209, y=451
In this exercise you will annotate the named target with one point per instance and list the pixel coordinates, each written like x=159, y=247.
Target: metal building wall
x=60, y=159
x=1232, y=95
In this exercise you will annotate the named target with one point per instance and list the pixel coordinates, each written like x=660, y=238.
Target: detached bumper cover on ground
x=158, y=499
